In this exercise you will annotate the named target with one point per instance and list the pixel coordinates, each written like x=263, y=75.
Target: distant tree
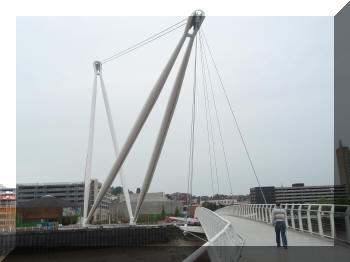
x=177, y=211
x=130, y=192
x=336, y=202
x=162, y=214
x=211, y=206
x=74, y=219
x=116, y=191
x=69, y=220
x=138, y=190
x=19, y=218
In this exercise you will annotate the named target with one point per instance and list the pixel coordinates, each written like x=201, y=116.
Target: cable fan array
x=211, y=112
x=196, y=36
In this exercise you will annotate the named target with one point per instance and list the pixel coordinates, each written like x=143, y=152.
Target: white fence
x=326, y=220
x=224, y=243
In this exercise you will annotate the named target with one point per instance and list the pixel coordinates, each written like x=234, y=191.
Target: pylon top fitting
x=97, y=67
x=197, y=18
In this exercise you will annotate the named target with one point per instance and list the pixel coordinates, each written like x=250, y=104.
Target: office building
x=343, y=160
x=72, y=192
x=7, y=208
x=256, y=195
x=298, y=193
x=309, y=194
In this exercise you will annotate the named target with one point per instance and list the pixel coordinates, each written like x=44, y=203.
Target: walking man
x=279, y=216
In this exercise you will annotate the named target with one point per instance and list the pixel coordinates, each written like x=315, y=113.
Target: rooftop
x=47, y=201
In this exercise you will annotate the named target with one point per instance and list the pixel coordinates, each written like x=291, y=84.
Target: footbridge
x=230, y=230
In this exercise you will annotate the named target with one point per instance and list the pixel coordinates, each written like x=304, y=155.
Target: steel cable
x=190, y=161
x=234, y=116
x=144, y=42
x=217, y=116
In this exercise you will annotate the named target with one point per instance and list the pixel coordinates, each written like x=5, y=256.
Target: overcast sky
x=278, y=72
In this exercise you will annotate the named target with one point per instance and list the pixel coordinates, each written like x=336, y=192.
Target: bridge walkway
x=258, y=233
x=260, y=244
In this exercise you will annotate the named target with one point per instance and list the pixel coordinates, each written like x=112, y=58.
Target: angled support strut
x=194, y=21
x=98, y=73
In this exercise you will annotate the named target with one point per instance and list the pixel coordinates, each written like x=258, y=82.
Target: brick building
x=46, y=209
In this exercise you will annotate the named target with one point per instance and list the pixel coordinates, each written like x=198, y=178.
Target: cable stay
x=232, y=112
x=206, y=68
x=193, y=121
x=210, y=136
x=146, y=41
x=209, y=143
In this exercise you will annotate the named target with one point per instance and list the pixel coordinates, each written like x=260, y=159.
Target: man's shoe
x=285, y=247
x=278, y=245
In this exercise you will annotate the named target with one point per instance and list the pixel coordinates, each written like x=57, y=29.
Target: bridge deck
x=261, y=234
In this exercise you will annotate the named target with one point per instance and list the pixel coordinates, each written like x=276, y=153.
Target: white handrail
x=308, y=217
x=220, y=234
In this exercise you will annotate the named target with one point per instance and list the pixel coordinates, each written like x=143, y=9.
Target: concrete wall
x=118, y=209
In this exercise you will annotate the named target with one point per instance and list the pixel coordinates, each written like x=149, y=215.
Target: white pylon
x=194, y=21
x=98, y=73
x=89, y=154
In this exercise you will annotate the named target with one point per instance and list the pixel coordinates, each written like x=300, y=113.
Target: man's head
x=278, y=204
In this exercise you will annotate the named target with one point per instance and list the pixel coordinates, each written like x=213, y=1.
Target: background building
x=343, y=159
x=152, y=205
x=256, y=196
x=220, y=202
x=47, y=209
x=297, y=193
x=72, y=192
x=7, y=208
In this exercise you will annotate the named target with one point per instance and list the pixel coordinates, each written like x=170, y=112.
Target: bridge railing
x=224, y=243
x=325, y=220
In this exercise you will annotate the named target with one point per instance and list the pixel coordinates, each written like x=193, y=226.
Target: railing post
x=286, y=208
x=292, y=216
x=347, y=222
x=309, y=225
x=254, y=212
x=266, y=214
x=300, y=218
x=319, y=220
x=331, y=220
x=263, y=212
x=270, y=210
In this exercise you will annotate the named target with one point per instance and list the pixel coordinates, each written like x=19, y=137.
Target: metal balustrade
x=224, y=243
x=325, y=220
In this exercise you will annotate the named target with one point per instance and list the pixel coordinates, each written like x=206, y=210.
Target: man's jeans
x=280, y=229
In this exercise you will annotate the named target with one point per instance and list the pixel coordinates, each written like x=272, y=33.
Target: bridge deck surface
x=261, y=246
x=262, y=234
